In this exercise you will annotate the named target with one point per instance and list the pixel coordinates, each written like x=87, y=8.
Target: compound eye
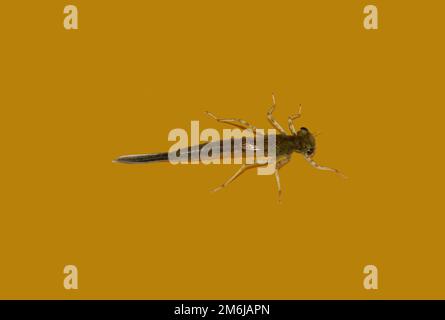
x=310, y=151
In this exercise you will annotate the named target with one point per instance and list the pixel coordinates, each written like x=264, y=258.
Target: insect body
x=301, y=142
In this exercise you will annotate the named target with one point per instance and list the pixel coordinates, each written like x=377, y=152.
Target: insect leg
x=317, y=166
x=277, y=177
x=241, y=170
x=279, y=165
x=240, y=123
x=291, y=123
x=272, y=120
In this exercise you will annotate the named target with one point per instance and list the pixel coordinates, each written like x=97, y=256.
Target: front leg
x=317, y=166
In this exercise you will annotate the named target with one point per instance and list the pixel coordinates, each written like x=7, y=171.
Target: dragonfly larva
x=301, y=142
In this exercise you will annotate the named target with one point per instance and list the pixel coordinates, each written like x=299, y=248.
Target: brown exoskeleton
x=301, y=141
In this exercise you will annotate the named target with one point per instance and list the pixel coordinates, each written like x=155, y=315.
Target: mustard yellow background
x=71, y=101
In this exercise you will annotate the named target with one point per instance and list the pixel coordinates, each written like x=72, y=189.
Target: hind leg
x=241, y=170
x=272, y=120
x=240, y=123
x=280, y=164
